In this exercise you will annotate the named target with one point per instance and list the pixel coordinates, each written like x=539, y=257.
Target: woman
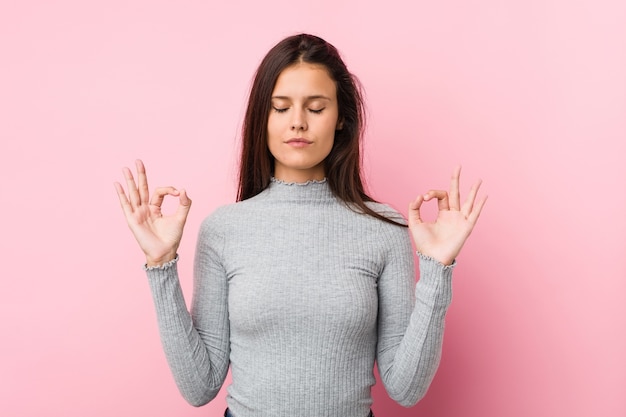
x=305, y=281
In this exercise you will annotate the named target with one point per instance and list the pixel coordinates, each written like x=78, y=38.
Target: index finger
x=443, y=201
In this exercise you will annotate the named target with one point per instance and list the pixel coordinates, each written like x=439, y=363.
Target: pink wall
x=528, y=95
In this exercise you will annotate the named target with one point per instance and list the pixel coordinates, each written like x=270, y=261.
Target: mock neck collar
x=312, y=190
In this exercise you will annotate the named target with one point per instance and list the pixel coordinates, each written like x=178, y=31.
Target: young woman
x=306, y=281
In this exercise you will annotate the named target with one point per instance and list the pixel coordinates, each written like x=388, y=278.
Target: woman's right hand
x=157, y=235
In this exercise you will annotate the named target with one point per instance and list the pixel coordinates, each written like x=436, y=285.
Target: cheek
x=274, y=136
x=328, y=122
x=271, y=126
x=330, y=128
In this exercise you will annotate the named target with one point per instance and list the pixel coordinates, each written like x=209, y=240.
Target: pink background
x=528, y=95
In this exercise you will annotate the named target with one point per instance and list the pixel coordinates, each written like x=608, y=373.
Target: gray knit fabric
x=300, y=295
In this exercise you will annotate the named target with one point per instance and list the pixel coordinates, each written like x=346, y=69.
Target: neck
x=299, y=175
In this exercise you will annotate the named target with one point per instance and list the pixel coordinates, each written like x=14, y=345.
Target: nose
x=298, y=122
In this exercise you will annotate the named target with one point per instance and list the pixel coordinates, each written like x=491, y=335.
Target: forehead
x=304, y=79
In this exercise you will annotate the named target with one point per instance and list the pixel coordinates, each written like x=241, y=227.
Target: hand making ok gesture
x=157, y=235
x=443, y=239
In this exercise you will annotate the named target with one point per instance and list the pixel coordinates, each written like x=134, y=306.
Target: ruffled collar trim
x=301, y=184
x=309, y=191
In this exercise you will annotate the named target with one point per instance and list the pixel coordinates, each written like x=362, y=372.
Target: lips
x=298, y=142
x=301, y=141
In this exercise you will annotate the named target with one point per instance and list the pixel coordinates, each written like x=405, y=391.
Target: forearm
x=409, y=370
x=198, y=374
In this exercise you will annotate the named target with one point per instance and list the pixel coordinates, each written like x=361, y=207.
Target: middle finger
x=142, y=179
x=455, y=199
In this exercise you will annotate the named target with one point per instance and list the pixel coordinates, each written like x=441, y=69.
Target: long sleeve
x=411, y=320
x=300, y=295
x=196, y=344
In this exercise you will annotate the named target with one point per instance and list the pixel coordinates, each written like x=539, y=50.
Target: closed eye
x=316, y=111
x=278, y=110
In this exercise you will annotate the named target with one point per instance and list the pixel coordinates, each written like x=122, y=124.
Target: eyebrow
x=308, y=98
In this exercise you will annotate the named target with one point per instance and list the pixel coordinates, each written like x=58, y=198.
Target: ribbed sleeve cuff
x=423, y=257
x=166, y=292
x=168, y=298
x=435, y=281
x=163, y=267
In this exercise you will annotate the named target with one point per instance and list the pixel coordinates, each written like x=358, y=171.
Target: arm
x=408, y=360
x=198, y=360
x=411, y=320
x=196, y=345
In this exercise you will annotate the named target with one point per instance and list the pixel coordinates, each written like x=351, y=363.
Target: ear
x=339, y=125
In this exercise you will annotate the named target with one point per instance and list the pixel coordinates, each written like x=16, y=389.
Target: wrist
x=445, y=261
x=160, y=260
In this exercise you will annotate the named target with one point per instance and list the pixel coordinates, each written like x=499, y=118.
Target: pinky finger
x=473, y=216
x=126, y=207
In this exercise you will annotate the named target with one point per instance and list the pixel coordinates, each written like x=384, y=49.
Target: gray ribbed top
x=300, y=295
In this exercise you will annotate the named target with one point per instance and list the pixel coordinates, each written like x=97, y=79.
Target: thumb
x=414, y=211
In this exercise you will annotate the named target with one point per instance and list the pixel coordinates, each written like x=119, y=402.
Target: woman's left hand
x=443, y=239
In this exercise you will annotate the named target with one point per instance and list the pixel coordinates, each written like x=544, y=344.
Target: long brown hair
x=342, y=166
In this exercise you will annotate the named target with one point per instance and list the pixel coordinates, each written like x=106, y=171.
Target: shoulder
x=220, y=218
x=387, y=211
x=223, y=218
x=395, y=238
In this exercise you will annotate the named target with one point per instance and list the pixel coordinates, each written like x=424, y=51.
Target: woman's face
x=302, y=122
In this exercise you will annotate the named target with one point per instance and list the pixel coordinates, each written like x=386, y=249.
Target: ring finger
x=133, y=194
